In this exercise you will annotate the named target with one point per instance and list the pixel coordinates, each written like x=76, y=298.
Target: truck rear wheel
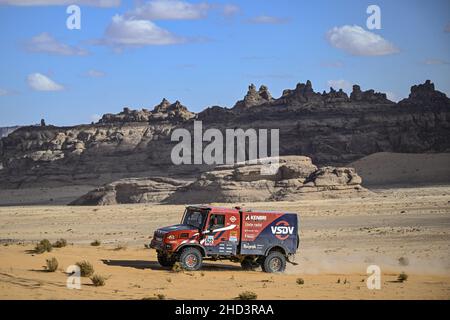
x=191, y=259
x=249, y=264
x=274, y=262
x=165, y=261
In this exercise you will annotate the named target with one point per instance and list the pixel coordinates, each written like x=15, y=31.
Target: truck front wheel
x=191, y=259
x=165, y=261
x=274, y=262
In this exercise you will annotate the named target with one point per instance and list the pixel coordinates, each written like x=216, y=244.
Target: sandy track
x=135, y=274
x=339, y=239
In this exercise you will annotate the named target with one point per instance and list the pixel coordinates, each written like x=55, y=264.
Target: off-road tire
x=248, y=264
x=190, y=259
x=274, y=262
x=165, y=261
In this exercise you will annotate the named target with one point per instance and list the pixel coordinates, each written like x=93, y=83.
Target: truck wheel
x=191, y=259
x=274, y=262
x=165, y=261
x=248, y=264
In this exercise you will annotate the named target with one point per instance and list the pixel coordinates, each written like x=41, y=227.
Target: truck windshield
x=195, y=218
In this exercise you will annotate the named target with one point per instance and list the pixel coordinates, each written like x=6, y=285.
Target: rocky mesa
x=294, y=178
x=332, y=128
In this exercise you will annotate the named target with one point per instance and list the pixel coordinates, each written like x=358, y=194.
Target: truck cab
x=252, y=238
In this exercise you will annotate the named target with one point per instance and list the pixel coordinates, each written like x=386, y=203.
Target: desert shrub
x=160, y=296
x=96, y=243
x=177, y=267
x=98, y=280
x=43, y=246
x=403, y=261
x=86, y=268
x=247, y=295
x=52, y=264
x=402, y=277
x=300, y=281
x=60, y=243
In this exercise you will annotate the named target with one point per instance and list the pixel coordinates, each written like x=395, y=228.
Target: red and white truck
x=252, y=238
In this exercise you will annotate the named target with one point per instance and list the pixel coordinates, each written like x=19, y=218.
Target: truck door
x=221, y=234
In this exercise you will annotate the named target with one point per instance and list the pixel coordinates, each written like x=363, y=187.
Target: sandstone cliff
x=295, y=178
x=330, y=127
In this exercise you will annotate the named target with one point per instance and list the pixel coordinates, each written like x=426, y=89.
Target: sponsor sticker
x=209, y=241
x=282, y=230
x=233, y=236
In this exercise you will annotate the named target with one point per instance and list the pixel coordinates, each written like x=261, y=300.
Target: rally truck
x=252, y=238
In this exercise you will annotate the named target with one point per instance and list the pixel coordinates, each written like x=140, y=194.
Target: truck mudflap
x=291, y=259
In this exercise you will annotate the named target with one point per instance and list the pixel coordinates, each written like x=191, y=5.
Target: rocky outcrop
x=254, y=98
x=144, y=190
x=5, y=131
x=331, y=128
x=369, y=96
x=295, y=178
x=163, y=111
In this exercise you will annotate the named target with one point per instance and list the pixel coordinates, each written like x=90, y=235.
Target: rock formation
x=5, y=131
x=143, y=190
x=331, y=128
x=296, y=178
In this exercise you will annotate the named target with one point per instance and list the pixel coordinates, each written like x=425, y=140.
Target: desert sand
x=339, y=239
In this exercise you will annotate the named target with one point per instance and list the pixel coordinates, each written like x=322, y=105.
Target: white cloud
x=39, y=82
x=263, y=19
x=94, y=74
x=123, y=32
x=45, y=43
x=6, y=92
x=170, y=10
x=229, y=10
x=95, y=117
x=359, y=42
x=93, y=3
x=332, y=64
x=136, y=33
x=435, y=62
x=393, y=96
x=340, y=84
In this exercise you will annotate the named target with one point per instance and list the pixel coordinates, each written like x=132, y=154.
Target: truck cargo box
x=264, y=230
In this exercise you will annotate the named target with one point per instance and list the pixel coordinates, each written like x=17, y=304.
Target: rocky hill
x=295, y=178
x=332, y=128
x=5, y=131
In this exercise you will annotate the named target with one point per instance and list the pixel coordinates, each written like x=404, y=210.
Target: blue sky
x=204, y=53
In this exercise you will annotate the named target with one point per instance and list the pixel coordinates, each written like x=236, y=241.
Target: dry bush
x=300, y=281
x=43, y=246
x=52, y=265
x=60, y=243
x=98, y=280
x=96, y=243
x=247, y=295
x=86, y=268
x=402, y=277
